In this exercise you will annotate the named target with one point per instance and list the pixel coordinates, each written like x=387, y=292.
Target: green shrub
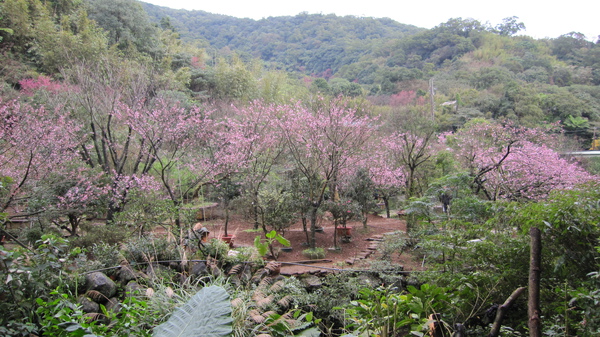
x=106, y=256
x=336, y=290
x=60, y=316
x=92, y=234
x=30, y=235
x=471, y=209
x=150, y=248
x=33, y=274
x=314, y=253
x=216, y=248
x=245, y=254
x=393, y=244
x=385, y=312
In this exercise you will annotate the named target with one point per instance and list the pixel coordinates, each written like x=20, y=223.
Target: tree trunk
x=410, y=184
x=305, y=229
x=533, y=303
x=226, y=218
x=110, y=213
x=74, y=222
x=255, y=209
x=313, y=226
x=335, y=226
x=411, y=223
x=386, y=202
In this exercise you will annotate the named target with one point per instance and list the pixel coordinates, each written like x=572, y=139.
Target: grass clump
x=314, y=253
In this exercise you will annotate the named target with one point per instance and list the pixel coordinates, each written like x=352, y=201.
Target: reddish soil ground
x=349, y=252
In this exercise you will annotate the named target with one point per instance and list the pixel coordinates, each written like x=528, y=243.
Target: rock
x=199, y=269
x=101, y=283
x=177, y=266
x=133, y=288
x=113, y=305
x=126, y=273
x=87, y=305
x=312, y=282
x=235, y=280
x=369, y=280
x=259, y=275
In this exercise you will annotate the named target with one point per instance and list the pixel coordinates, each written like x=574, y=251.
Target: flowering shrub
x=30, y=85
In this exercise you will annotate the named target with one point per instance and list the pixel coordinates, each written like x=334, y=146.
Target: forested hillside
x=478, y=70
x=308, y=43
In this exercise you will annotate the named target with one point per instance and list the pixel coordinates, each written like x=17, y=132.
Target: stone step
x=374, y=239
x=364, y=254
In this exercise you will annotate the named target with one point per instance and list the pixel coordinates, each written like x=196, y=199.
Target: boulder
x=113, y=305
x=126, y=273
x=100, y=282
x=312, y=282
x=177, y=266
x=133, y=288
x=199, y=269
x=87, y=304
x=246, y=274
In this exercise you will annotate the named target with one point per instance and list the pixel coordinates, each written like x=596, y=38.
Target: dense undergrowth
x=472, y=266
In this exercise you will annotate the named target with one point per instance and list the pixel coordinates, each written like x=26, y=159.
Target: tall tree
x=260, y=145
x=388, y=176
x=322, y=143
x=107, y=96
x=33, y=143
x=176, y=146
x=514, y=163
x=360, y=188
x=509, y=26
x=410, y=152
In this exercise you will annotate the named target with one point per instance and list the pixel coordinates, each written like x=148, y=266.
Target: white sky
x=542, y=18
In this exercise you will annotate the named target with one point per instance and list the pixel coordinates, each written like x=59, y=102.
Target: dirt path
x=350, y=255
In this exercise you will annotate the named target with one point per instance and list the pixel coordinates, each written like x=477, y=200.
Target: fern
x=207, y=314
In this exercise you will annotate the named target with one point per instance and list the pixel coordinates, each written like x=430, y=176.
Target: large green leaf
x=311, y=332
x=206, y=314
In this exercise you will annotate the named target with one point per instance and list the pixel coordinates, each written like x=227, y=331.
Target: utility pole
x=431, y=92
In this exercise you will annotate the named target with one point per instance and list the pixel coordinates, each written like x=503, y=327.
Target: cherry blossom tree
x=73, y=193
x=407, y=152
x=321, y=144
x=387, y=174
x=170, y=141
x=260, y=144
x=108, y=99
x=531, y=171
x=512, y=162
x=34, y=142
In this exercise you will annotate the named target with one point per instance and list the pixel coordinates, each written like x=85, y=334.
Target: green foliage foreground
x=471, y=266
